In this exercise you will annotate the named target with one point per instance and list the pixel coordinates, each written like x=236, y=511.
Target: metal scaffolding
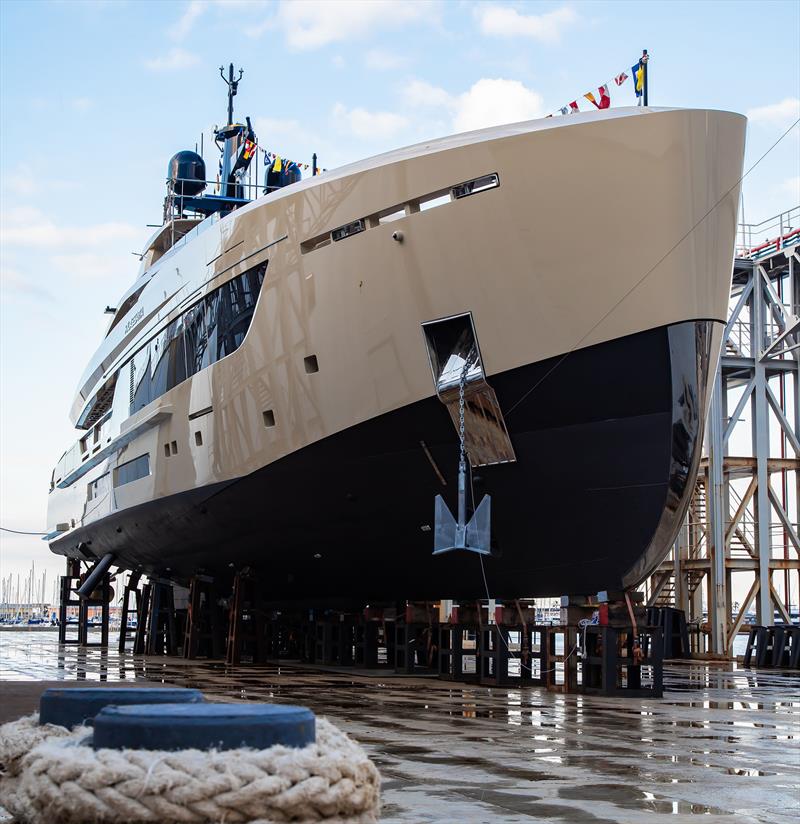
x=740, y=534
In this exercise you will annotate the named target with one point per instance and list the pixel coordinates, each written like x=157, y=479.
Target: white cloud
x=24, y=181
x=89, y=265
x=489, y=102
x=782, y=114
x=194, y=10
x=28, y=227
x=421, y=93
x=338, y=61
x=285, y=135
x=82, y=104
x=277, y=126
x=310, y=24
x=383, y=60
x=174, y=60
x=365, y=124
x=13, y=281
x=245, y=11
x=503, y=21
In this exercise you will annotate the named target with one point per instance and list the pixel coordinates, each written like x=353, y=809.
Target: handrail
x=781, y=231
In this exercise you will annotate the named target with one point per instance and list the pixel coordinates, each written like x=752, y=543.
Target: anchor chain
x=461, y=407
x=452, y=533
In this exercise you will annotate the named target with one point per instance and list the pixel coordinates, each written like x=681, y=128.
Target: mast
x=228, y=133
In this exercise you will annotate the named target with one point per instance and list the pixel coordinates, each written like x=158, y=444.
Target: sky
x=95, y=97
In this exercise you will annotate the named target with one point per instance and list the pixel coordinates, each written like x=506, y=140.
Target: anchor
x=450, y=534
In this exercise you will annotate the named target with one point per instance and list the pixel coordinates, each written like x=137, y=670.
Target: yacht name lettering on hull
x=134, y=320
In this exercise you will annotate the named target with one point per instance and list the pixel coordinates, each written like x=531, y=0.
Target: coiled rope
x=63, y=780
x=17, y=739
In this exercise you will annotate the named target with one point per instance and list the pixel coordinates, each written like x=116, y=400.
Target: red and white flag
x=620, y=78
x=602, y=100
x=573, y=107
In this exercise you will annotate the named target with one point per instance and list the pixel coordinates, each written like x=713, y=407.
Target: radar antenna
x=233, y=86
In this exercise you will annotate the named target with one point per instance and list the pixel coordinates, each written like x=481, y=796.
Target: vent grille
x=472, y=187
x=348, y=230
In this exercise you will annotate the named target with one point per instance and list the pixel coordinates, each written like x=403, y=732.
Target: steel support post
x=760, y=413
x=680, y=553
x=717, y=606
x=794, y=302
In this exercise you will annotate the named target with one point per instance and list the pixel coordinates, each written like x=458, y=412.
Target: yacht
x=282, y=387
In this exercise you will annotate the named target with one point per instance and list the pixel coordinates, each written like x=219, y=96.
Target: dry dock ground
x=723, y=745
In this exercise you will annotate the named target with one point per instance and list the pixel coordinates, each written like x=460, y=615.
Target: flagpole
x=643, y=63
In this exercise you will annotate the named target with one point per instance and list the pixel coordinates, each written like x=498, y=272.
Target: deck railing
x=757, y=240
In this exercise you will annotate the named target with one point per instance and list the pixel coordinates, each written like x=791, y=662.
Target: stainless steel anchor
x=450, y=534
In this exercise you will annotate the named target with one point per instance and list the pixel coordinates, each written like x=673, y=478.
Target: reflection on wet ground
x=722, y=743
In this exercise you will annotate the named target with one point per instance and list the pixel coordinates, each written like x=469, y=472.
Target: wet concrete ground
x=723, y=743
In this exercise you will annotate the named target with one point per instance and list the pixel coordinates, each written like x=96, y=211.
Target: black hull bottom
x=607, y=450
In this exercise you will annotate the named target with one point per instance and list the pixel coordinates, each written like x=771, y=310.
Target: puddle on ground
x=632, y=798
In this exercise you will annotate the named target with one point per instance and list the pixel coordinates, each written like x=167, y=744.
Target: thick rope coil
x=331, y=780
x=17, y=739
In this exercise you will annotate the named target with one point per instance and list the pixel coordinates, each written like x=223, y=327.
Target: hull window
x=132, y=470
x=205, y=333
x=97, y=489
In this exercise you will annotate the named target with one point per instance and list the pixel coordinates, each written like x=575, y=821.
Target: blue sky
x=95, y=97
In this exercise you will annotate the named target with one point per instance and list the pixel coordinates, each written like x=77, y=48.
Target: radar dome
x=187, y=173
x=289, y=172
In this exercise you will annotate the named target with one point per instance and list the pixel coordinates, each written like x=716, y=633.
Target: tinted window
x=142, y=394
x=168, y=357
x=234, y=306
x=98, y=488
x=132, y=470
x=213, y=328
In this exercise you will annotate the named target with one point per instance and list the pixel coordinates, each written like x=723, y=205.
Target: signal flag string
x=600, y=97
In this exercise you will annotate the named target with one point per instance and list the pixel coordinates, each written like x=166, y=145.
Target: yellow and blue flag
x=638, y=79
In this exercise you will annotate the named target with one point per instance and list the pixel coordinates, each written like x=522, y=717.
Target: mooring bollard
x=74, y=707
x=201, y=762
x=63, y=713
x=212, y=726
